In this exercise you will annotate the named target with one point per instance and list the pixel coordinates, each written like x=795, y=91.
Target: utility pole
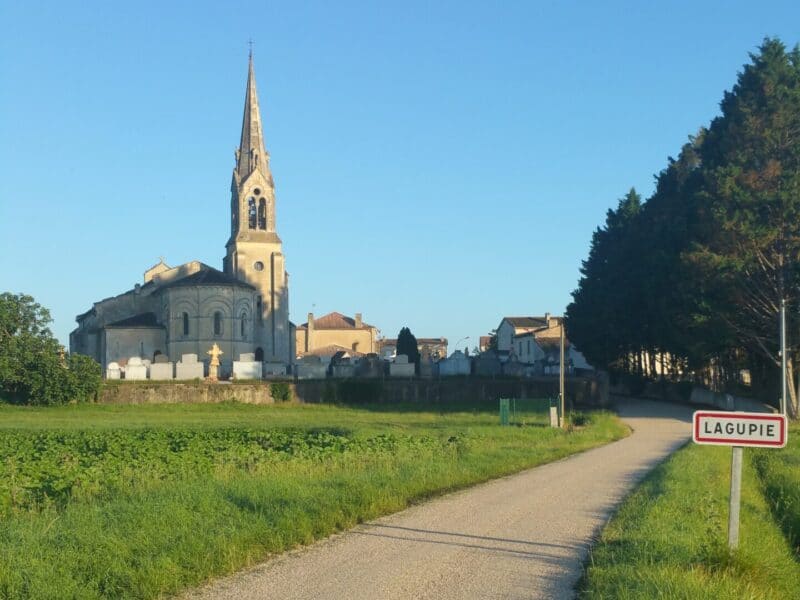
x=561, y=375
x=783, y=356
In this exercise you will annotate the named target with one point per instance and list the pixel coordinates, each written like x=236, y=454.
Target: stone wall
x=453, y=390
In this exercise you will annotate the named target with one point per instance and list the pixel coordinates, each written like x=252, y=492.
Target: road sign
x=759, y=430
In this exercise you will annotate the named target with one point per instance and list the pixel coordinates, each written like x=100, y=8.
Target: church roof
x=147, y=319
x=208, y=276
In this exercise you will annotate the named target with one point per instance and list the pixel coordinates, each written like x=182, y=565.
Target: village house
x=335, y=332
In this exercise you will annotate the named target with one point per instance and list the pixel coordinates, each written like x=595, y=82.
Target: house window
x=259, y=309
x=185, y=323
x=262, y=213
x=217, y=323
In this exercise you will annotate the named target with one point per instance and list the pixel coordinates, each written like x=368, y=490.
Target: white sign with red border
x=760, y=430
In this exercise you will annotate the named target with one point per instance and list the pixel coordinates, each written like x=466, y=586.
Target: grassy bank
x=780, y=475
x=141, y=501
x=669, y=538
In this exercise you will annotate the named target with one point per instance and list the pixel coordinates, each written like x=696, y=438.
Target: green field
x=669, y=538
x=143, y=501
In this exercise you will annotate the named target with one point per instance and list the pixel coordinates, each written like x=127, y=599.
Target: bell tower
x=254, y=252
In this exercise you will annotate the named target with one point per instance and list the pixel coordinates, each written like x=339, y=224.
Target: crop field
x=669, y=538
x=100, y=501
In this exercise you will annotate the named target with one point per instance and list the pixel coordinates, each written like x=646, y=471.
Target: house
x=536, y=341
x=336, y=329
x=512, y=327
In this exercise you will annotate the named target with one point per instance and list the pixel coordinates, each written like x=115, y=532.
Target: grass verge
x=145, y=501
x=669, y=538
x=779, y=471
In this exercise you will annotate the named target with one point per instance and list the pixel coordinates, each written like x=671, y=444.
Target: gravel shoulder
x=522, y=536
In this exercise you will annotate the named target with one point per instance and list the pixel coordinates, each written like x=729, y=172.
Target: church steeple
x=253, y=252
x=252, y=188
x=251, y=154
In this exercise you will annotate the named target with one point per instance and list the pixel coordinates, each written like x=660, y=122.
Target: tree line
x=689, y=283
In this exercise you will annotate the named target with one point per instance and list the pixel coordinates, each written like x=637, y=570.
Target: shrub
x=280, y=391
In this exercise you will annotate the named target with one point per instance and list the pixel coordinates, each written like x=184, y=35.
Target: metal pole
x=561, y=375
x=783, y=356
x=736, y=497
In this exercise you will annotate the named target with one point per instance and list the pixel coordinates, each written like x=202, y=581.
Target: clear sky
x=437, y=164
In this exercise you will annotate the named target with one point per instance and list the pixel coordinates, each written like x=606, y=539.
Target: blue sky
x=437, y=164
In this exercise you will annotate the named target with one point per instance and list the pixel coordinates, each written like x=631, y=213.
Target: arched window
x=259, y=355
x=251, y=212
x=217, y=323
x=259, y=309
x=185, y=323
x=262, y=213
x=244, y=318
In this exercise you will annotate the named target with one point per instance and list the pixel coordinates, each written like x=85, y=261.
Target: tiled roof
x=330, y=350
x=208, y=276
x=334, y=320
x=147, y=319
x=526, y=321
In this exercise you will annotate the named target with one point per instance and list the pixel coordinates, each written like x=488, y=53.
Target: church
x=185, y=309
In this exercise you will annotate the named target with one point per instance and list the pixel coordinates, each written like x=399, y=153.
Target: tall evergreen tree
x=407, y=344
x=597, y=317
x=749, y=245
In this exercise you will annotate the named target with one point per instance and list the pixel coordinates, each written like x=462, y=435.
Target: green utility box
x=505, y=405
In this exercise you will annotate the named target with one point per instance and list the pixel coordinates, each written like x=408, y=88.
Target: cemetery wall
x=452, y=390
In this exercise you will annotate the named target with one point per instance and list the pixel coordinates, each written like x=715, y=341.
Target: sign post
x=736, y=497
x=738, y=429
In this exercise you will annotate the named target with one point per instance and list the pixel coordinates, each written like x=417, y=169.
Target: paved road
x=523, y=536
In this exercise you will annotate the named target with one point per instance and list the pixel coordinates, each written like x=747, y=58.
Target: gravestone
x=135, y=370
x=159, y=371
x=370, y=365
x=401, y=367
x=113, y=371
x=189, y=367
x=274, y=368
x=247, y=367
x=311, y=367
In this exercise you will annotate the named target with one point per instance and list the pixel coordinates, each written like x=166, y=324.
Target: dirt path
x=522, y=536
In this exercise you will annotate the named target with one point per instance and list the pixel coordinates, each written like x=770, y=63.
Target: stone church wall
x=123, y=343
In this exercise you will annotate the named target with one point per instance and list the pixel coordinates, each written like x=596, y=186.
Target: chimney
x=309, y=331
x=547, y=320
x=358, y=321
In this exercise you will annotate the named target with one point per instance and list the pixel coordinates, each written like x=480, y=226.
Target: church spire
x=251, y=154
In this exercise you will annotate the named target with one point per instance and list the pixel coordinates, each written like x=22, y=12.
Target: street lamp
x=455, y=346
